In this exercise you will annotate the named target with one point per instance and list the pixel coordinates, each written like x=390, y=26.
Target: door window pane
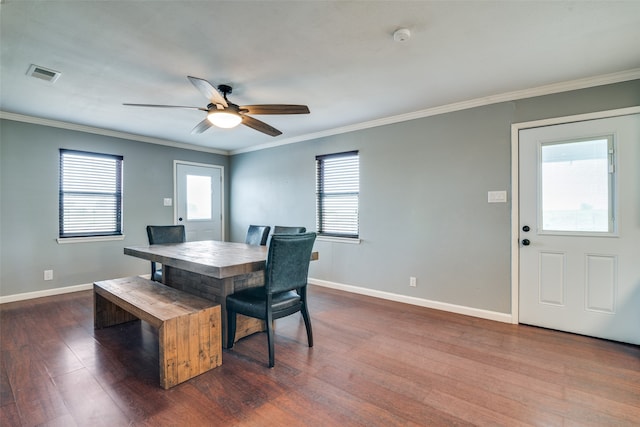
x=576, y=186
x=198, y=197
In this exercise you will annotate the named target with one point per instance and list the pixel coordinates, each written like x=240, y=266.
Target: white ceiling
x=337, y=57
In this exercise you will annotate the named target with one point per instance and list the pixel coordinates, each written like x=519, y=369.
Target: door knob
x=525, y=242
x=526, y=228
x=180, y=219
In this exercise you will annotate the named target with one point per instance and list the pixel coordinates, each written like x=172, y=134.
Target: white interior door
x=199, y=198
x=580, y=227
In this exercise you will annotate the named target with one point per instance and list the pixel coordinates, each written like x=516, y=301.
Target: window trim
x=88, y=235
x=65, y=240
x=335, y=236
x=350, y=240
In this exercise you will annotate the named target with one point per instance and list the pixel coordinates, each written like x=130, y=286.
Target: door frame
x=515, y=183
x=222, y=195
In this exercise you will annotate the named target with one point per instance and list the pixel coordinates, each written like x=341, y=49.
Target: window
x=337, y=194
x=576, y=186
x=90, y=194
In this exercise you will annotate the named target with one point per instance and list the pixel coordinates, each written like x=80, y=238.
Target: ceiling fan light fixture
x=224, y=119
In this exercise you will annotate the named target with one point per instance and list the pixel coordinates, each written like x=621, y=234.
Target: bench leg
x=189, y=346
x=107, y=314
x=168, y=354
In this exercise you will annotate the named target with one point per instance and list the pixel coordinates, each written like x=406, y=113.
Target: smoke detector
x=43, y=73
x=401, y=35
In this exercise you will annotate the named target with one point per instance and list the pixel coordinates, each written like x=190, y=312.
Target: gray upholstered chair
x=286, y=272
x=279, y=229
x=257, y=235
x=159, y=234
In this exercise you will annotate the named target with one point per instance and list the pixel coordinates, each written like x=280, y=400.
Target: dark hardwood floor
x=374, y=363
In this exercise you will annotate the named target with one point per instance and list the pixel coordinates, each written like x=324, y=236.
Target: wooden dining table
x=211, y=269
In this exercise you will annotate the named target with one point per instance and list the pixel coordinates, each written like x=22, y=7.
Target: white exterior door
x=199, y=198
x=579, y=227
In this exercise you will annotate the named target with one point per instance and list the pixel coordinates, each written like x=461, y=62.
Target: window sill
x=350, y=240
x=65, y=240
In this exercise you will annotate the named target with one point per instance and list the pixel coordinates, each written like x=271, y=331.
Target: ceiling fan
x=225, y=114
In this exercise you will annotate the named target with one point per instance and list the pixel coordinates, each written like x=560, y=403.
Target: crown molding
x=106, y=132
x=550, y=89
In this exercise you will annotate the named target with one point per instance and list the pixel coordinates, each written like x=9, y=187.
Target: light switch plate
x=168, y=201
x=497, y=197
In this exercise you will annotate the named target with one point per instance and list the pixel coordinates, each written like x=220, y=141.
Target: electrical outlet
x=413, y=282
x=48, y=275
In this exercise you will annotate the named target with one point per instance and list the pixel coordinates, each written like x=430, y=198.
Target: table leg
x=216, y=290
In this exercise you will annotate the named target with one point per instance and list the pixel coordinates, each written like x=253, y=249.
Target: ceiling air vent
x=43, y=73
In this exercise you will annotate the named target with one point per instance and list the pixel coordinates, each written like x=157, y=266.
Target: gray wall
x=423, y=206
x=29, y=206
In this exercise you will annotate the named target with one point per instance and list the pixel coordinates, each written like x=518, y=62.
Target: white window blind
x=337, y=194
x=90, y=201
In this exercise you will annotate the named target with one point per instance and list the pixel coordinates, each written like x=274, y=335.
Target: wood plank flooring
x=374, y=363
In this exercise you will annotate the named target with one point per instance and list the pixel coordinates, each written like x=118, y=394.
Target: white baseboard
x=51, y=292
x=437, y=305
x=45, y=293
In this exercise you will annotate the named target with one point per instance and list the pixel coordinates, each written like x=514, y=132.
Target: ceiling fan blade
x=260, y=126
x=202, y=126
x=276, y=109
x=165, y=106
x=207, y=89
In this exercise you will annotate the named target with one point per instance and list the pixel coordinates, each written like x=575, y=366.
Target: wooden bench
x=189, y=334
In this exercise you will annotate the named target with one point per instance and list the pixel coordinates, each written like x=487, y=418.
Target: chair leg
x=307, y=324
x=270, y=339
x=231, y=328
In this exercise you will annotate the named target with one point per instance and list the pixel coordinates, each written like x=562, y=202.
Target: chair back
x=279, y=229
x=288, y=261
x=159, y=234
x=257, y=235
